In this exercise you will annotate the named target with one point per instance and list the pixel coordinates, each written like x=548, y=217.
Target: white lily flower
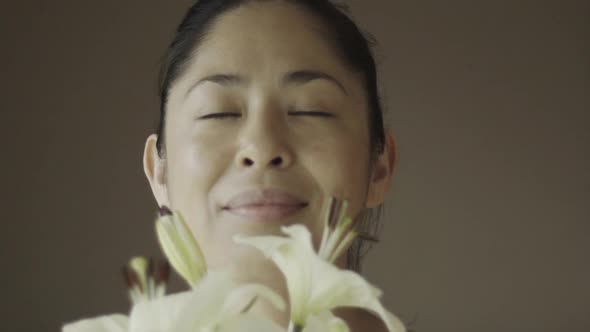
x=314, y=284
x=146, y=279
x=215, y=304
x=106, y=323
x=180, y=246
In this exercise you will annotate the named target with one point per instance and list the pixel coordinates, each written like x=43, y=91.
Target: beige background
x=487, y=226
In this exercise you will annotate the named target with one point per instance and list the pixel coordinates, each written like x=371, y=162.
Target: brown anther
x=334, y=215
x=164, y=211
x=162, y=273
x=130, y=278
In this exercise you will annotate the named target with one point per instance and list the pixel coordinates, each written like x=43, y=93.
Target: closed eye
x=220, y=115
x=312, y=113
x=298, y=113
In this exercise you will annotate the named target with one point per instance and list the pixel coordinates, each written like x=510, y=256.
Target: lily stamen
x=145, y=280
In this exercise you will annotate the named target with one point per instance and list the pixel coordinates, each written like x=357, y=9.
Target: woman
x=268, y=108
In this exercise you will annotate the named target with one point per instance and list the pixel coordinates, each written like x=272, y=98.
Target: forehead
x=264, y=39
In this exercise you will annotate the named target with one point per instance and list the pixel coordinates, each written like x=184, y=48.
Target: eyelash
x=226, y=115
x=312, y=113
x=219, y=115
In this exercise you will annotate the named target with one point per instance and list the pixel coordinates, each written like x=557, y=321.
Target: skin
x=207, y=161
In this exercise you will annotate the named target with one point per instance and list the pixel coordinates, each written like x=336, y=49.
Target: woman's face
x=263, y=65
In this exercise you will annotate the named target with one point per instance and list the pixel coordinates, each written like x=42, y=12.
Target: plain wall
x=487, y=225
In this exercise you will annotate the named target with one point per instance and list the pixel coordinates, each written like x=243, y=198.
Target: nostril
x=274, y=162
x=277, y=161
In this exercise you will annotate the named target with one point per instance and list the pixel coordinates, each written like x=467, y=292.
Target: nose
x=276, y=162
x=264, y=144
x=264, y=150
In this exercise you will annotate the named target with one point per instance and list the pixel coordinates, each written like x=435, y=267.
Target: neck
x=360, y=320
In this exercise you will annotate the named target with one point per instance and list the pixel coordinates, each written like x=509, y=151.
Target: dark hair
x=353, y=46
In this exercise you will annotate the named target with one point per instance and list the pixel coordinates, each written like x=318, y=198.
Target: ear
x=155, y=171
x=382, y=174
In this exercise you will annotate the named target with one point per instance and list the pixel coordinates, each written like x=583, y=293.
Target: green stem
x=294, y=327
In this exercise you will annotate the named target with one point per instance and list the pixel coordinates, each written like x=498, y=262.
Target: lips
x=264, y=204
x=258, y=197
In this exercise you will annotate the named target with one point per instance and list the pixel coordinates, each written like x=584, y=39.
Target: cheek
x=339, y=165
x=195, y=168
x=196, y=163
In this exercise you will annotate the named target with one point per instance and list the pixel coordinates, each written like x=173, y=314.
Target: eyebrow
x=297, y=77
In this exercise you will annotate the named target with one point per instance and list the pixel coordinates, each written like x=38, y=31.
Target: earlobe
x=155, y=170
x=382, y=175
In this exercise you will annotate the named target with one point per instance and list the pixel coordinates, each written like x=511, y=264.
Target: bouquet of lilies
x=315, y=285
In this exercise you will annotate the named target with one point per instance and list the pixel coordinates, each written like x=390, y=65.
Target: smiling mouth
x=266, y=213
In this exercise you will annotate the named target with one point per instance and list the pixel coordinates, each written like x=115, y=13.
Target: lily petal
x=289, y=260
x=234, y=304
x=206, y=307
x=106, y=323
x=314, y=284
x=184, y=311
x=343, y=288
